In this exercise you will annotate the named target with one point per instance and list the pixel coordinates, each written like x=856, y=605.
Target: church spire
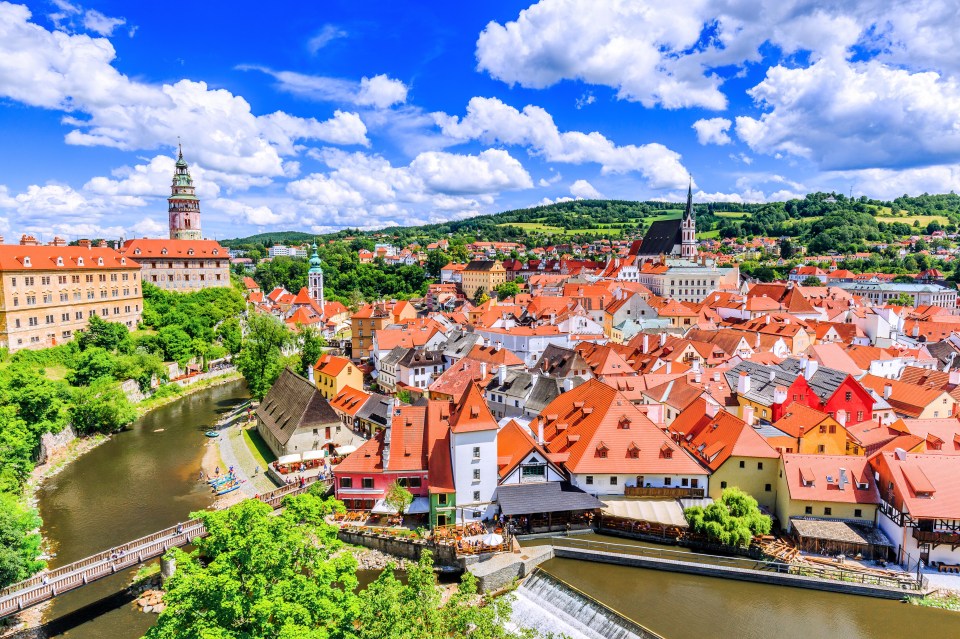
x=183, y=205
x=688, y=228
x=689, y=212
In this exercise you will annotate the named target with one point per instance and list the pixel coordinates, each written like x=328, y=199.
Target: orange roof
x=494, y=356
x=825, y=473
x=455, y=380
x=331, y=365
x=598, y=418
x=437, y=447
x=514, y=443
x=906, y=399
x=713, y=440
x=161, y=248
x=250, y=283
x=349, y=400
x=472, y=413
x=799, y=419
x=14, y=257
x=926, y=484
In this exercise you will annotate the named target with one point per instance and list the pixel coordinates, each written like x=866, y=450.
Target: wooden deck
x=47, y=585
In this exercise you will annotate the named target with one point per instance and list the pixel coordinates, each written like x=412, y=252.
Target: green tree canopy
x=312, y=344
x=507, y=289
x=733, y=520
x=398, y=497
x=260, y=356
x=19, y=541
x=100, y=407
x=102, y=334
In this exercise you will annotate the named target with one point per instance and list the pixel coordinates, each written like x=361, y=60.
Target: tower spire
x=688, y=228
x=183, y=205
x=689, y=212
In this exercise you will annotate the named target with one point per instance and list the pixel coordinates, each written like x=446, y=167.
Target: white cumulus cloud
x=585, y=190
x=713, y=131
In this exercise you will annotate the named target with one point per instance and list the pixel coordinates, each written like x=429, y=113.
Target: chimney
x=767, y=318
x=646, y=343
x=716, y=377
x=887, y=391
x=502, y=374
x=743, y=383
x=712, y=409
x=916, y=330
x=663, y=339
x=669, y=367
x=954, y=376
x=810, y=368
x=842, y=481
x=483, y=370
x=780, y=395
x=748, y=415
x=310, y=375
x=567, y=384
x=696, y=377
x=842, y=418
x=540, y=432
x=900, y=454
x=696, y=366
x=773, y=375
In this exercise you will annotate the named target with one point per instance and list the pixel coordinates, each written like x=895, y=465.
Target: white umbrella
x=493, y=539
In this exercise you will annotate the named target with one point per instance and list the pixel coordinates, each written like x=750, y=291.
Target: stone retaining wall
x=52, y=443
x=742, y=574
x=407, y=549
x=502, y=569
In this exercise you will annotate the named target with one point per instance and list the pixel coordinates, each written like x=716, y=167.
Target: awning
x=314, y=454
x=289, y=459
x=419, y=506
x=545, y=497
x=345, y=450
x=666, y=512
x=840, y=531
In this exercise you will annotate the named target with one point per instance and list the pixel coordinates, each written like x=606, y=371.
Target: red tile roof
x=471, y=413
x=14, y=257
x=825, y=473
x=179, y=249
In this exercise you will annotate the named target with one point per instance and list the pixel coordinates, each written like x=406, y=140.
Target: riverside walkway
x=47, y=585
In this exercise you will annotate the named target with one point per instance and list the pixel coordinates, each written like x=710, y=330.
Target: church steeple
x=183, y=206
x=315, y=277
x=688, y=228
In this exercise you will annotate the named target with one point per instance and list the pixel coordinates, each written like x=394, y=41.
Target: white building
x=473, y=452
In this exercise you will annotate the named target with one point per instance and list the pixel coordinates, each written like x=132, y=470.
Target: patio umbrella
x=493, y=539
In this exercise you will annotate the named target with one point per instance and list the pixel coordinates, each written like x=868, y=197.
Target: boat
x=219, y=481
x=229, y=488
x=212, y=433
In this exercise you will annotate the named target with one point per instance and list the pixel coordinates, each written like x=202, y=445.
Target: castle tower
x=315, y=278
x=688, y=229
x=183, y=205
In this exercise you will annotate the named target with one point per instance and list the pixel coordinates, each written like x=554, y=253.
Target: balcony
x=937, y=538
x=666, y=491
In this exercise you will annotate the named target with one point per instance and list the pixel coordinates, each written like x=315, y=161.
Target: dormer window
x=602, y=450
x=216, y=252
x=123, y=261
x=163, y=251
x=137, y=252
x=99, y=261
x=80, y=261
x=59, y=261
x=26, y=261
x=624, y=423
x=189, y=251
x=633, y=451
x=666, y=452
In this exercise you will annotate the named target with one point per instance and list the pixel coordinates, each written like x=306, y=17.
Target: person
x=218, y=471
x=231, y=470
x=201, y=474
x=179, y=529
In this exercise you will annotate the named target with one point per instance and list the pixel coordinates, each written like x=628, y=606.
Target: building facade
x=482, y=275
x=183, y=205
x=49, y=293
x=180, y=265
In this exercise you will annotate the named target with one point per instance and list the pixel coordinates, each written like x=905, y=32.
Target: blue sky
x=315, y=116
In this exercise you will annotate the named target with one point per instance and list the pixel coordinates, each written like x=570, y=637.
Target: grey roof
x=546, y=497
x=418, y=357
x=480, y=265
x=761, y=386
x=842, y=531
x=661, y=238
x=459, y=344
x=376, y=409
x=767, y=430
x=545, y=391
x=825, y=381
x=558, y=361
x=294, y=403
x=517, y=384
x=394, y=355
x=944, y=351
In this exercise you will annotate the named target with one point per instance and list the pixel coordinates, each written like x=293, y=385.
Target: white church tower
x=315, y=278
x=688, y=229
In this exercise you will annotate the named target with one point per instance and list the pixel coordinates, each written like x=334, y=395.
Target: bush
x=733, y=520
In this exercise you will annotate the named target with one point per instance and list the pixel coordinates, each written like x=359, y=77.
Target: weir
x=547, y=604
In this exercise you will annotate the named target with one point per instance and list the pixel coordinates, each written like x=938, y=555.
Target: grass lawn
x=669, y=215
x=708, y=235
x=56, y=372
x=732, y=214
x=909, y=219
x=258, y=448
x=140, y=332
x=535, y=227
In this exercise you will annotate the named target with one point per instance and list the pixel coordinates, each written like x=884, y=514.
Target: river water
x=140, y=481
x=679, y=606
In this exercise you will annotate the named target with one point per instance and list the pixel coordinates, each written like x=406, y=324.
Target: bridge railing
x=47, y=585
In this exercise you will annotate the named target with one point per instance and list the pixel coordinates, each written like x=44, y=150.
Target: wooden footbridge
x=48, y=584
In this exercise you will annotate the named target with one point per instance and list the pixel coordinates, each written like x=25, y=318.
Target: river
x=139, y=481
x=679, y=606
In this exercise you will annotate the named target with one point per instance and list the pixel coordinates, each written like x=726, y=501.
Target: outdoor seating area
x=848, y=539
x=472, y=538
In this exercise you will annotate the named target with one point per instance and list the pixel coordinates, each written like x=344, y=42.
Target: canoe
x=221, y=480
x=212, y=433
x=228, y=489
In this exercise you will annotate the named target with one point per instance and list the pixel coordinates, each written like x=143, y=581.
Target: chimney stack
x=483, y=370
x=900, y=454
x=540, y=432
x=780, y=395
x=954, y=376
x=712, y=409
x=842, y=418
x=743, y=383
x=502, y=374
x=810, y=368
x=748, y=415
x=567, y=384
x=842, y=481
x=669, y=367
x=646, y=343
x=887, y=391
x=663, y=339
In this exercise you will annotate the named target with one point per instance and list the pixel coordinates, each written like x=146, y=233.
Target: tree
x=786, y=249
x=507, y=289
x=91, y=365
x=398, y=497
x=813, y=280
x=480, y=297
x=436, y=260
x=19, y=541
x=903, y=299
x=177, y=344
x=230, y=335
x=259, y=358
x=259, y=575
x=733, y=520
x=312, y=344
x=100, y=407
x=103, y=334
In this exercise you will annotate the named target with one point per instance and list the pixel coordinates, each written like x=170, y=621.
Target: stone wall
x=132, y=390
x=407, y=549
x=50, y=443
x=495, y=572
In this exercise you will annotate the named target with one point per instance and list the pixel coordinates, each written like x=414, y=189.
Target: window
x=476, y=474
x=414, y=482
x=743, y=464
x=767, y=487
x=723, y=484
x=821, y=448
x=476, y=452
x=695, y=483
x=368, y=482
x=31, y=299
x=346, y=482
x=476, y=495
x=32, y=321
x=828, y=511
x=759, y=465
x=442, y=499
x=613, y=480
x=848, y=396
x=667, y=481
x=589, y=477
x=808, y=510
x=684, y=481
x=857, y=513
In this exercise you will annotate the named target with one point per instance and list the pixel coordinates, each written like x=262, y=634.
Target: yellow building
x=814, y=432
x=482, y=275
x=48, y=293
x=332, y=374
x=830, y=487
x=374, y=317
